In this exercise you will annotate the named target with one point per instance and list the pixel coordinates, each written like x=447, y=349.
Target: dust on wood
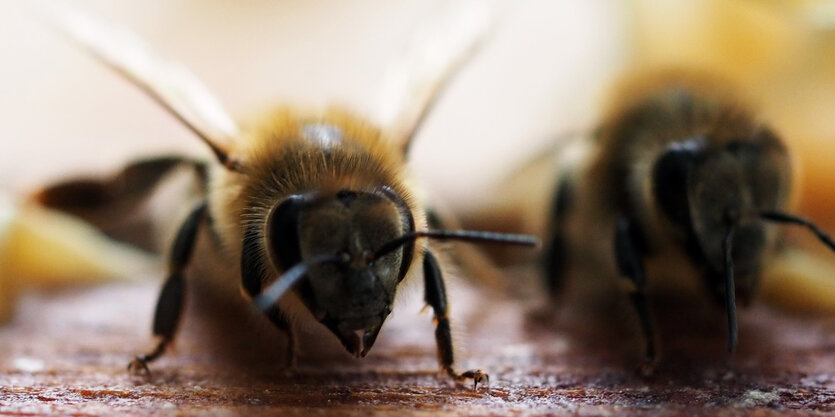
x=66, y=353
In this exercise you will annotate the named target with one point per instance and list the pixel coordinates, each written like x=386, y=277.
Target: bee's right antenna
x=779, y=217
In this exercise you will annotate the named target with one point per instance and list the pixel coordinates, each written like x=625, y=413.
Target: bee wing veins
x=168, y=82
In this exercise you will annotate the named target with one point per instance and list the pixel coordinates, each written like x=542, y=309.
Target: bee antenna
x=274, y=291
x=730, y=289
x=780, y=217
x=462, y=235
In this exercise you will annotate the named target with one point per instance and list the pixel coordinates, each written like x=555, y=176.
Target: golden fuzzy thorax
x=289, y=153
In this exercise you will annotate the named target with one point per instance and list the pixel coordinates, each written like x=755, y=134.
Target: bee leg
x=553, y=263
x=170, y=302
x=554, y=257
x=113, y=204
x=251, y=275
x=277, y=318
x=97, y=199
x=629, y=262
x=435, y=297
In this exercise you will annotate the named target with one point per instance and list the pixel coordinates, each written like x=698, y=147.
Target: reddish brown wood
x=66, y=353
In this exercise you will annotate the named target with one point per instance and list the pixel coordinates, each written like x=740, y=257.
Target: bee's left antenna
x=271, y=294
x=461, y=235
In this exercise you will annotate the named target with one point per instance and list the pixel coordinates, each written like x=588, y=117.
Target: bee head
x=711, y=191
x=720, y=198
x=347, y=251
x=351, y=291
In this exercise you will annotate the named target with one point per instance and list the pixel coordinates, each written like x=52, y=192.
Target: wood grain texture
x=66, y=354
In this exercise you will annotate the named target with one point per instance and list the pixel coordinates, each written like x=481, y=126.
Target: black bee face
x=720, y=197
x=353, y=296
x=708, y=191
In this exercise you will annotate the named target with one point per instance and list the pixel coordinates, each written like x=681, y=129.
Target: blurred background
x=62, y=112
x=544, y=72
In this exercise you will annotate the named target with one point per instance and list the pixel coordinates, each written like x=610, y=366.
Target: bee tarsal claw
x=647, y=368
x=139, y=365
x=477, y=375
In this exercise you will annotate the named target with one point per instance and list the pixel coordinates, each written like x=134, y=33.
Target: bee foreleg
x=554, y=257
x=435, y=296
x=170, y=302
x=277, y=318
x=251, y=276
x=553, y=262
x=630, y=265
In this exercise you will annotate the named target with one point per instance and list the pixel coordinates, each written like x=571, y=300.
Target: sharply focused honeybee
x=312, y=216
x=681, y=179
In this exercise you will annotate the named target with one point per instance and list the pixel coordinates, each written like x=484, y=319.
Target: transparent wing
x=169, y=83
x=436, y=53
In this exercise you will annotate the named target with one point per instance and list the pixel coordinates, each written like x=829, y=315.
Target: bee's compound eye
x=283, y=231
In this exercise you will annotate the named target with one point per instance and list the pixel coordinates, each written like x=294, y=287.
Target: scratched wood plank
x=66, y=353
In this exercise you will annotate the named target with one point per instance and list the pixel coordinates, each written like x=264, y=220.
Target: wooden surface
x=66, y=353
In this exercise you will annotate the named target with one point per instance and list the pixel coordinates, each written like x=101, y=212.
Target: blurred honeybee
x=681, y=177
x=313, y=216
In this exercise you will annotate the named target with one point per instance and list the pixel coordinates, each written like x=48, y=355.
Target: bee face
x=706, y=189
x=718, y=195
x=357, y=293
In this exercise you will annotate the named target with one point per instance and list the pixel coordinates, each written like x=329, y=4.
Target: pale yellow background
x=541, y=74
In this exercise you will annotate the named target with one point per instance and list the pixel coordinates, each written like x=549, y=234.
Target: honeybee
x=312, y=216
x=681, y=182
